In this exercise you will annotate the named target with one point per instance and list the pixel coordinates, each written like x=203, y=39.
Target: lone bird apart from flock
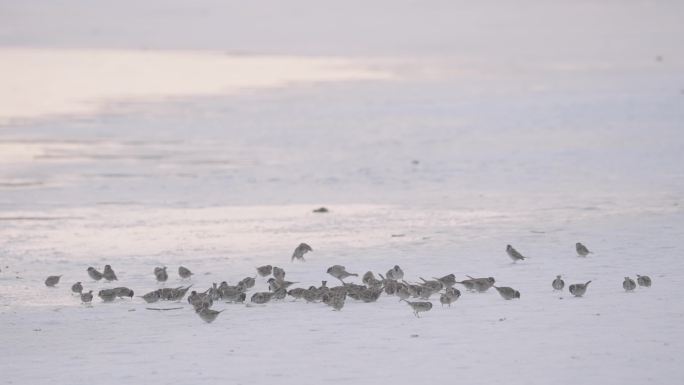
x=108, y=274
x=582, y=250
x=558, y=283
x=299, y=252
x=514, y=254
x=578, y=289
x=184, y=272
x=628, y=284
x=52, y=280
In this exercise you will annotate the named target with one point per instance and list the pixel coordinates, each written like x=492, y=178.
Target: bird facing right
x=578, y=289
x=644, y=280
x=507, y=293
x=77, y=288
x=514, y=254
x=582, y=250
x=184, y=272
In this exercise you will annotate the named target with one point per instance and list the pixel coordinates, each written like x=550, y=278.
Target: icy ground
x=435, y=168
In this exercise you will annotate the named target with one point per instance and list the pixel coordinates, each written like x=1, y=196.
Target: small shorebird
x=514, y=254
x=299, y=252
x=582, y=250
x=578, y=289
x=184, y=272
x=558, y=283
x=52, y=280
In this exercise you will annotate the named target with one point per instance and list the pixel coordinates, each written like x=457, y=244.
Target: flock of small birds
x=416, y=295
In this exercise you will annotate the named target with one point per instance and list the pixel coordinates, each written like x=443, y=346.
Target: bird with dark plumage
x=87, y=297
x=77, y=288
x=507, y=293
x=628, y=284
x=160, y=274
x=247, y=282
x=261, y=297
x=450, y=295
x=395, y=273
x=274, y=284
x=184, y=272
x=109, y=274
x=299, y=252
x=644, y=280
x=207, y=315
x=152, y=296
x=278, y=273
x=52, y=280
x=94, y=274
x=582, y=250
x=558, y=283
x=107, y=295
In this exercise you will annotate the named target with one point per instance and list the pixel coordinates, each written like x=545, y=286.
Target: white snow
x=534, y=124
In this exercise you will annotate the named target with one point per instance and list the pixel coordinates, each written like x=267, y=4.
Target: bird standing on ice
x=582, y=250
x=514, y=254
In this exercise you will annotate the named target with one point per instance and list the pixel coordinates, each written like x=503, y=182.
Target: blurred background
x=435, y=132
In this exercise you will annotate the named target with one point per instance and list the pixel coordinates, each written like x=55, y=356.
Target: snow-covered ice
x=435, y=133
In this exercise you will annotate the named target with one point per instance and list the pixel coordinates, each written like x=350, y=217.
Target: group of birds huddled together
x=417, y=295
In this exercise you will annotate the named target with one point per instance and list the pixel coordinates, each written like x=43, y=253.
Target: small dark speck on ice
x=414, y=336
